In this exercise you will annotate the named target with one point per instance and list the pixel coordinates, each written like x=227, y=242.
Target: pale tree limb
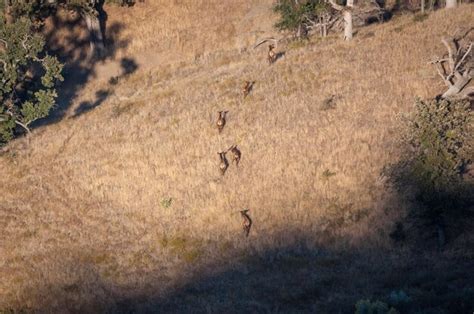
x=450, y=53
x=261, y=42
x=4, y=65
x=460, y=68
x=336, y=6
x=463, y=57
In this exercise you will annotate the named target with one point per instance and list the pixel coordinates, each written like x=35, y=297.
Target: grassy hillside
x=122, y=207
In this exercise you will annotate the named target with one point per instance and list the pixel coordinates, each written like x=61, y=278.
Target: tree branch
x=25, y=126
x=463, y=58
x=336, y=6
x=4, y=42
x=4, y=65
x=450, y=54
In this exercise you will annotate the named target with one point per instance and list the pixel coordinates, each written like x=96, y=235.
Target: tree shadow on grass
x=128, y=66
x=294, y=278
x=434, y=220
x=85, y=106
x=67, y=38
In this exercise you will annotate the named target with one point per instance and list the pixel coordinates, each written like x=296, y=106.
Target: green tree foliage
x=438, y=143
x=27, y=77
x=376, y=307
x=296, y=15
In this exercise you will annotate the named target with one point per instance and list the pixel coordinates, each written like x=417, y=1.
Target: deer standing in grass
x=221, y=120
x=247, y=221
x=272, y=56
x=236, y=154
x=224, y=164
x=247, y=88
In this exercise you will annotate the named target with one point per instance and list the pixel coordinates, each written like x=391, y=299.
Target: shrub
x=29, y=76
x=295, y=16
x=398, y=297
x=376, y=307
x=437, y=148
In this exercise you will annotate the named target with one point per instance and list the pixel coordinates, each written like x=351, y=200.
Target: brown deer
x=272, y=56
x=236, y=154
x=221, y=120
x=247, y=88
x=247, y=221
x=224, y=164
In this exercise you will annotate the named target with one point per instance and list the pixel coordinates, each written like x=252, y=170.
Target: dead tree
x=352, y=14
x=457, y=67
x=451, y=4
x=324, y=22
x=347, y=16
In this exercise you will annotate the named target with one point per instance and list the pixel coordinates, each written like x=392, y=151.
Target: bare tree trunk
x=451, y=4
x=457, y=87
x=298, y=32
x=422, y=6
x=347, y=14
x=347, y=24
x=96, y=38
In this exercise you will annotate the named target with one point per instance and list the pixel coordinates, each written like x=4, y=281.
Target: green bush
x=376, y=307
x=28, y=77
x=295, y=16
x=437, y=148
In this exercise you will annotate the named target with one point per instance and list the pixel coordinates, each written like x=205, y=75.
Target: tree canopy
x=28, y=77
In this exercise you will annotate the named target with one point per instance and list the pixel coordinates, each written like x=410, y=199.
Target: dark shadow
x=434, y=219
x=438, y=213
x=85, y=106
x=279, y=55
x=386, y=16
x=67, y=38
x=287, y=279
x=128, y=65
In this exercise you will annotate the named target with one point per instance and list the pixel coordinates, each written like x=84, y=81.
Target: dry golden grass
x=126, y=201
x=183, y=29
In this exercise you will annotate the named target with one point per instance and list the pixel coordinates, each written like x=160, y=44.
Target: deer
x=247, y=88
x=221, y=120
x=236, y=154
x=272, y=55
x=247, y=221
x=224, y=164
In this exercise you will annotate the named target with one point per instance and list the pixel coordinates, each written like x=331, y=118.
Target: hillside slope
x=123, y=207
